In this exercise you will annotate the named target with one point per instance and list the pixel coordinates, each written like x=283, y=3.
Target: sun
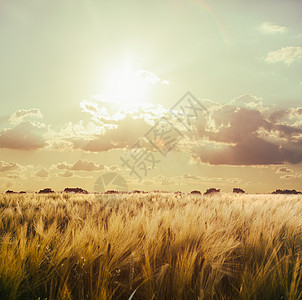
x=125, y=86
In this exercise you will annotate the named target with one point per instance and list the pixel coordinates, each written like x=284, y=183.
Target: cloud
x=6, y=166
x=192, y=177
x=68, y=174
x=286, y=55
x=90, y=107
x=18, y=116
x=61, y=140
x=85, y=165
x=291, y=176
x=108, y=114
x=127, y=133
x=239, y=133
x=220, y=180
x=287, y=173
x=111, y=127
x=245, y=136
x=113, y=168
x=5, y=118
x=114, y=127
x=284, y=170
x=290, y=116
x=278, y=115
x=149, y=77
x=64, y=166
x=99, y=111
x=252, y=151
x=188, y=179
x=81, y=165
x=247, y=101
x=163, y=180
x=65, y=174
x=24, y=136
x=43, y=173
x=269, y=28
x=232, y=124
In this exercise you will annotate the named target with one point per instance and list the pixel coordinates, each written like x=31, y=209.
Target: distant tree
x=111, y=192
x=211, y=191
x=22, y=192
x=75, y=191
x=279, y=191
x=238, y=191
x=46, y=191
x=10, y=192
x=196, y=192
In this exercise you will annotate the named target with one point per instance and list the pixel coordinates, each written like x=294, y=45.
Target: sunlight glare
x=126, y=87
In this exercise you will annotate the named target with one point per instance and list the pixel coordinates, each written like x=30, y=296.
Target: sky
x=88, y=87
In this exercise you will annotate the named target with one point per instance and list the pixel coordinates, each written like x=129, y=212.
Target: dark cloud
x=286, y=131
x=244, y=136
x=238, y=133
x=24, y=136
x=252, y=151
x=127, y=133
x=278, y=115
x=289, y=115
x=234, y=124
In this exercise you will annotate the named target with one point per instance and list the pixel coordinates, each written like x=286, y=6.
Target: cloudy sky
x=87, y=88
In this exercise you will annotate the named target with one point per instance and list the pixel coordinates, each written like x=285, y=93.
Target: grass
x=150, y=246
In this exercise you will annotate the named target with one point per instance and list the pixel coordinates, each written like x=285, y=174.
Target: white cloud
x=65, y=174
x=102, y=110
x=248, y=101
x=19, y=115
x=85, y=165
x=269, y=28
x=149, y=77
x=81, y=165
x=90, y=107
x=286, y=55
x=108, y=114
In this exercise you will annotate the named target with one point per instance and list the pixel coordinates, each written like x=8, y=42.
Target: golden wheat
x=150, y=246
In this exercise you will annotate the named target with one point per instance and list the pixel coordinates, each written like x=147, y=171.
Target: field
x=150, y=246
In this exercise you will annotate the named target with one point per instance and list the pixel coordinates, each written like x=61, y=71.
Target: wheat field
x=150, y=246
